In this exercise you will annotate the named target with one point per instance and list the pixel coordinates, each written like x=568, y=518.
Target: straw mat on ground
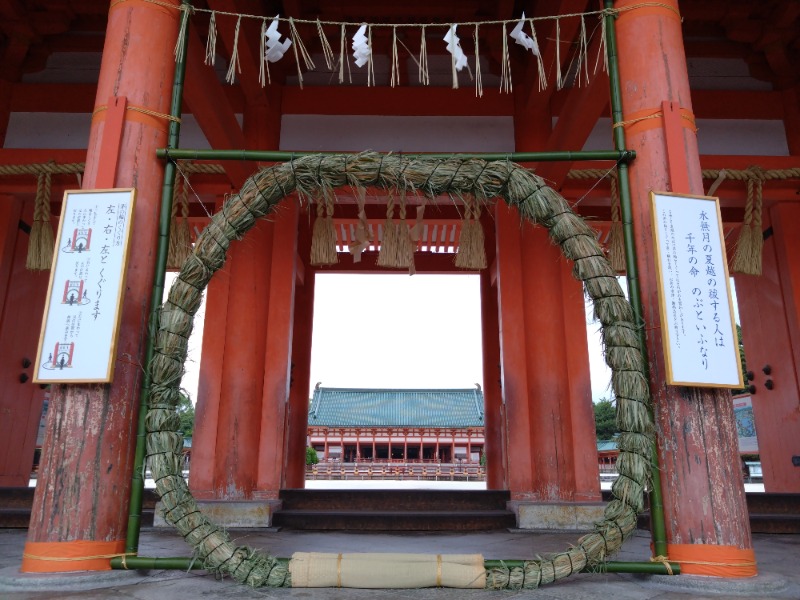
x=314, y=176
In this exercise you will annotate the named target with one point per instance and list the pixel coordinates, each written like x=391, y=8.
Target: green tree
x=605, y=419
x=186, y=414
x=311, y=456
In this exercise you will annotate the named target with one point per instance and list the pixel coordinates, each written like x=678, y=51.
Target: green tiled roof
x=348, y=407
x=606, y=445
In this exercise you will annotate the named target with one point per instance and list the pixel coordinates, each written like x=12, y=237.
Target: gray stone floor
x=777, y=556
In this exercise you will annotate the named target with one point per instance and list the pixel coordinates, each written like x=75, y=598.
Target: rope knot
x=664, y=561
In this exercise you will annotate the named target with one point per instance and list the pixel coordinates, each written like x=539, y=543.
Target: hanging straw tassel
x=559, y=82
x=602, y=47
x=471, y=250
x=180, y=238
x=323, y=237
x=478, y=78
x=747, y=258
x=415, y=234
x=404, y=257
x=539, y=64
x=263, y=63
x=327, y=51
x=424, y=77
x=299, y=50
x=40, y=243
x=211, y=42
x=234, y=66
x=185, y=8
x=395, y=60
x=387, y=257
x=362, y=236
x=505, y=73
x=616, y=246
x=583, y=56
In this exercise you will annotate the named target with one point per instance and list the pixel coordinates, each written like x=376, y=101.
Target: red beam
x=406, y=101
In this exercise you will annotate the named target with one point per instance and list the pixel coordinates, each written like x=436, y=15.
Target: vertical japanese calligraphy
x=698, y=330
x=87, y=280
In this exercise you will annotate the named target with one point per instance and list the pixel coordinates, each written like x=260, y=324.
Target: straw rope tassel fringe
x=747, y=258
x=387, y=256
x=323, y=236
x=40, y=243
x=616, y=247
x=180, y=238
x=471, y=252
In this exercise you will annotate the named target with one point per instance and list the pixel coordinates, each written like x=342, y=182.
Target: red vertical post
x=22, y=299
x=513, y=352
x=81, y=501
x=277, y=359
x=494, y=448
x=209, y=389
x=300, y=387
x=704, y=500
x=769, y=307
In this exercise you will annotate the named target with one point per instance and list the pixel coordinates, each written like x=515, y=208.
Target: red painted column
x=81, y=501
x=209, y=388
x=494, y=448
x=700, y=469
x=769, y=308
x=513, y=352
x=22, y=299
x=277, y=359
x=300, y=386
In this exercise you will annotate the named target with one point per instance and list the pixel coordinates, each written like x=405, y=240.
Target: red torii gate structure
x=81, y=501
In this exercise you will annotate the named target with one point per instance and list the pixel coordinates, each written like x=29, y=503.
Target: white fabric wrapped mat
x=398, y=571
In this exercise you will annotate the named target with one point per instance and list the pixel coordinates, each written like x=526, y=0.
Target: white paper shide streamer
x=522, y=38
x=454, y=48
x=361, y=49
x=275, y=48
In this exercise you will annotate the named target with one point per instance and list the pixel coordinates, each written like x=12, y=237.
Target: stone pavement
x=777, y=557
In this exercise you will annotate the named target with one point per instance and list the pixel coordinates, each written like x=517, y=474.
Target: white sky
x=396, y=331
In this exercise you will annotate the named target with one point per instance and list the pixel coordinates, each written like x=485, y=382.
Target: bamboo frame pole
x=658, y=527
x=621, y=156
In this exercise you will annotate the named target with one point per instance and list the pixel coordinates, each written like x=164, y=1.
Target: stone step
x=379, y=520
x=394, y=500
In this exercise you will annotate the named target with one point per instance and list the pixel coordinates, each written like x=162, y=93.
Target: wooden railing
x=397, y=471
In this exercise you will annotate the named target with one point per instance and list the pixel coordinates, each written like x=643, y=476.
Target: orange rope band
x=713, y=560
x=650, y=118
x=80, y=555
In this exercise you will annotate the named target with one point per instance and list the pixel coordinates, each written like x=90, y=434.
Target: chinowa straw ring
x=312, y=176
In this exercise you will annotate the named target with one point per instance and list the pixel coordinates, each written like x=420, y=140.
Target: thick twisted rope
x=536, y=203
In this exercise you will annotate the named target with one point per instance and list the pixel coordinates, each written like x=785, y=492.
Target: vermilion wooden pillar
x=80, y=506
x=769, y=307
x=299, y=388
x=700, y=469
x=494, y=447
x=277, y=372
x=513, y=352
x=22, y=298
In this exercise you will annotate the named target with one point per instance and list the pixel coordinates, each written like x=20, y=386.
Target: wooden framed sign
x=701, y=347
x=78, y=340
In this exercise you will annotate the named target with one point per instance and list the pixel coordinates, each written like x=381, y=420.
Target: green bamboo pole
x=137, y=481
x=275, y=156
x=658, y=526
x=184, y=563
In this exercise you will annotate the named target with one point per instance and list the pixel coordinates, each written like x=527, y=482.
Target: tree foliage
x=311, y=456
x=605, y=419
x=186, y=414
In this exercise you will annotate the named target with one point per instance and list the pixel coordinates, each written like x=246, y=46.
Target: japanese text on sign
x=700, y=342
x=79, y=331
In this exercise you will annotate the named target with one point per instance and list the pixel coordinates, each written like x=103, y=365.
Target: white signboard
x=87, y=279
x=700, y=343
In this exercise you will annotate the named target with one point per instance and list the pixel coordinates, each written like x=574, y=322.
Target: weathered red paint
x=494, y=447
x=21, y=309
x=700, y=471
x=770, y=330
x=84, y=479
